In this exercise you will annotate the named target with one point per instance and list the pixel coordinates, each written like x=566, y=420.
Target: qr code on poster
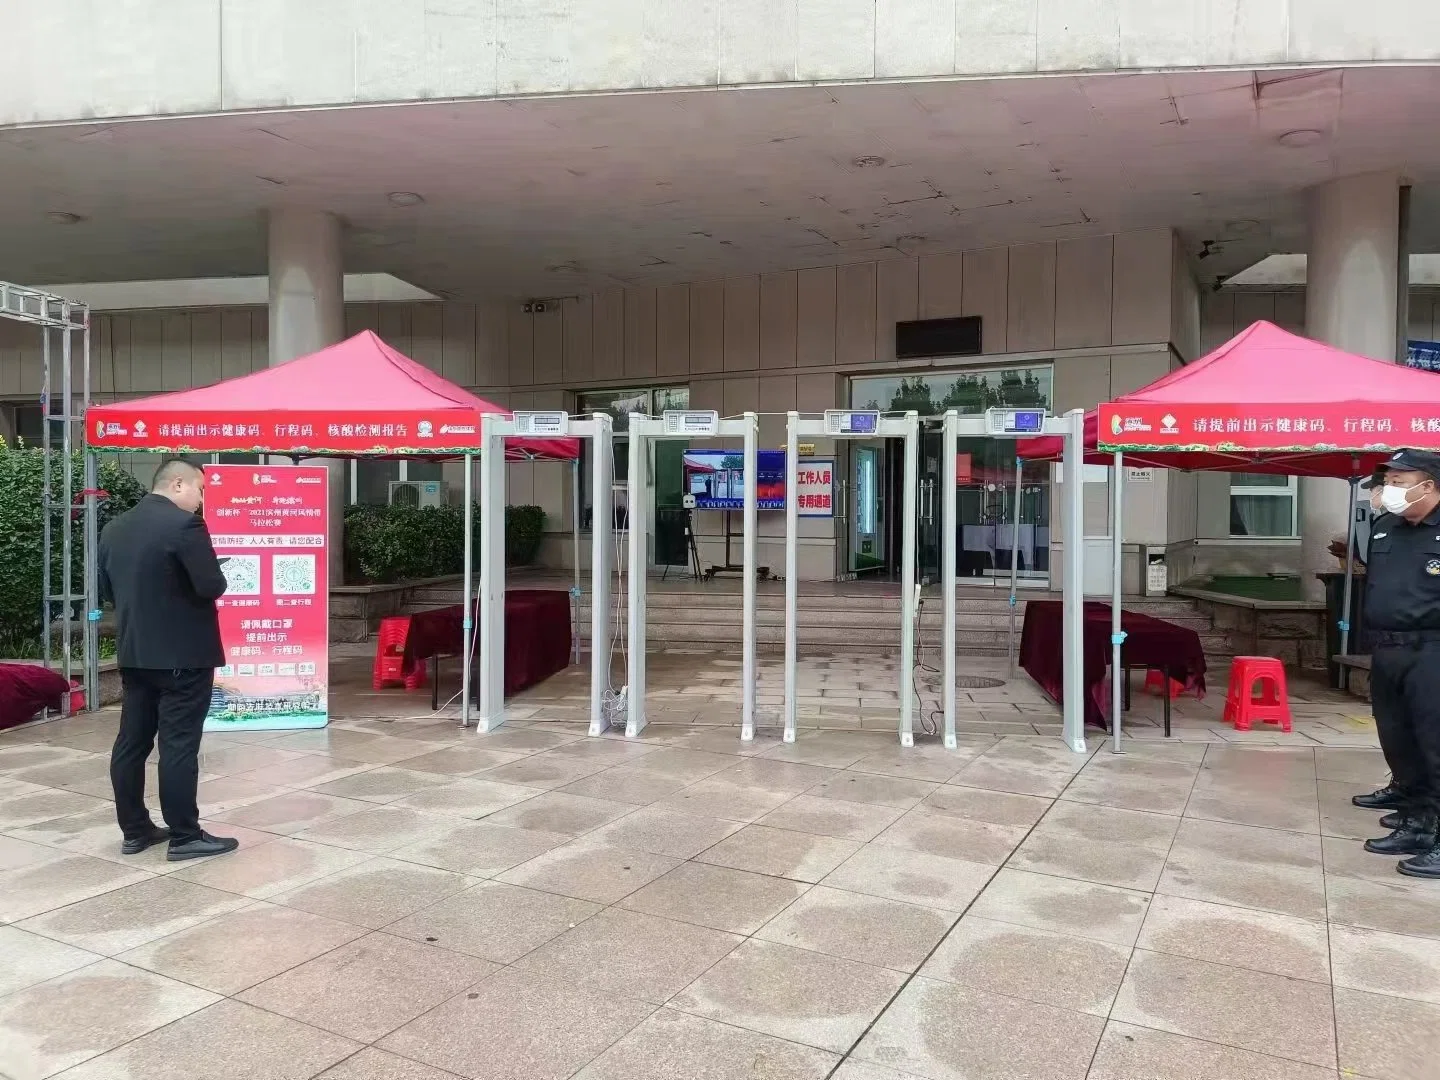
x=242, y=575
x=292, y=575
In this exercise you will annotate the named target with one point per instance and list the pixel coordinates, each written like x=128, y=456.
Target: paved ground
x=414, y=903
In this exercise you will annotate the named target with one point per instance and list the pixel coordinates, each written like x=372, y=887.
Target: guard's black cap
x=1377, y=478
x=1415, y=461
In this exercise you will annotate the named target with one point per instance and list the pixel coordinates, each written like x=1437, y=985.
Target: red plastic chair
x=1242, y=707
x=390, y=654
x=1155, y=684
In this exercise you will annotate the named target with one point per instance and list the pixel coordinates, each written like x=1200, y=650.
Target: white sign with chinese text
x=815, y=487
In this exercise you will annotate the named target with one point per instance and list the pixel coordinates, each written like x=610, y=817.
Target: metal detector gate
x=853, y=424
x=493, y=431
x=688, y=425
x=1015, y=423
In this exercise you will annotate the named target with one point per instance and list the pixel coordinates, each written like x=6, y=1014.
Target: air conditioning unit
x=419, y=493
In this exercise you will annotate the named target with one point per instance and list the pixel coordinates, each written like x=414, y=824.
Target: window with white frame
x=668, y=454
x=370, y=478
x=1263, y=506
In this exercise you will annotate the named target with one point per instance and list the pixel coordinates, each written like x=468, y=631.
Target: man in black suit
x=158, y=567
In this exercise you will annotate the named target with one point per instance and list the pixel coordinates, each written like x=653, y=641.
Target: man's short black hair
x=171, y=469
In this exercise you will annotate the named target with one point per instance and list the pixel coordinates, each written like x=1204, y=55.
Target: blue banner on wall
x=1424, y=355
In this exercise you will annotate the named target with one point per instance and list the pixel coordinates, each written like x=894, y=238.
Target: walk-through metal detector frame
x=1071, y=428
x=905, y=427
x=643, y=431
x=494, y=429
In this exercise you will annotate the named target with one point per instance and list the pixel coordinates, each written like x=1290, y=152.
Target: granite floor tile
x=996, y=807
x=858, y=787
x=31, y=808
x=943, y=1031
x=633, y=784
x=369, y=987
x=375, y=893
x=469, y=796
x=1081, y=908
x=720, y=798
x=1061, y=854
x=306, y=771
x=665, y=832
x=780, y=853
x=373, y=1064
x=833, y=817
x=1385, y=1037
x=479, y=849
x=1267, y=1014
x=590, y=870
x=1238, y=937
x=792, y=994
x=234, y=951
x=911, y=876
x=853, y=926
x=129, y=916
x=1246, y=867
x=1398, y=907
x=31, y=959
x=1380, y=963
x=383, y=784
x=269, y=869
x=464, y=760
x=633, y=954
x=54, y=1025
x=1035, y=965
x=1361, y=770
x=934, y=832
x=495, y=921
x=58, y=882
x=1137, y=1053
x=553, y=811
x=715, y=896
x=546, y=770
x=378, y=830
x=517, y=1025
x=671, y=1044
x=227, y=1041
x=292, y=812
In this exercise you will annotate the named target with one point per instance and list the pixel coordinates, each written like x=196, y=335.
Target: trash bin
x=1157, y=575
x=1334, y=602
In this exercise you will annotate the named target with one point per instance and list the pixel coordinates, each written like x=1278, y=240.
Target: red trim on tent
x=357, y=398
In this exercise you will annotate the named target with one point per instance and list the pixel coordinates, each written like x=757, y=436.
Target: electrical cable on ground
x=929, y=722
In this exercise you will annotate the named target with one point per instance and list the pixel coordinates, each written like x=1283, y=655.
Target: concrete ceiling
x=554, y=196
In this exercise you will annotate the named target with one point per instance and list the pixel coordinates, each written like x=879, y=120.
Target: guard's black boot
x=1388, y=797
x=1415, y=836
x=1424, y=865
x=1392, y=821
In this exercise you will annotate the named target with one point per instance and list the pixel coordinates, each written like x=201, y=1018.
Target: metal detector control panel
x=839, y=422
x=700, y=424
x=542, y=424
x=1018, y=422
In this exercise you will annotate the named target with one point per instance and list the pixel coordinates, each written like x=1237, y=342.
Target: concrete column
x=1352, y=300
x=307, y=313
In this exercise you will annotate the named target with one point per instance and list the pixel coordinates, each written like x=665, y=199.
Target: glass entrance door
x=869, y=547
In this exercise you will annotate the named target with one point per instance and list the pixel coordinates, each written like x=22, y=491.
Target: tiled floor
x=414, y=902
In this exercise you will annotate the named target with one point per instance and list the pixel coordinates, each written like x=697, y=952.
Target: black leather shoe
x=1415, y=836
x=134, y=845
x=1424, y=865
x=1392, y=821
x=204, y=847
x=1388, y=797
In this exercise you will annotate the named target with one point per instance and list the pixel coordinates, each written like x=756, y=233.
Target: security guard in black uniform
x=1402, y=610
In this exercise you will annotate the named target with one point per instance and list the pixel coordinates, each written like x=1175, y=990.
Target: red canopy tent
x=1266, y=401
x=357, y=398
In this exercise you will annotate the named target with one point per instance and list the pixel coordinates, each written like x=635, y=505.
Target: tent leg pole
x=1349, y=587
x=1117, y=636
x=468, y=623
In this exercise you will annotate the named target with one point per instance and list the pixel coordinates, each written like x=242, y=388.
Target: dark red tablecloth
x=25, y=689
x=537, y=636
x=1149, y=643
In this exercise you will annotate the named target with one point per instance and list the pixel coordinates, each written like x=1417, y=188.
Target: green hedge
x=22, y=523
x=386, y=544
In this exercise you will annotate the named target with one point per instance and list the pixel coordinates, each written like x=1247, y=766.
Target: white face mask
x=1393, y=499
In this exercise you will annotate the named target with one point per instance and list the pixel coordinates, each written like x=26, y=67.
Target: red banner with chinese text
x=283, y=431
x=269, y=525
x=1242, y=428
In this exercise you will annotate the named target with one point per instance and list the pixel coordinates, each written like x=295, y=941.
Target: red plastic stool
x=1247, y=673
x=1155, y=684
x=390, y=654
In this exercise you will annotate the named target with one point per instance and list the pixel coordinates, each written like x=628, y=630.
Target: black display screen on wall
x=924, y=339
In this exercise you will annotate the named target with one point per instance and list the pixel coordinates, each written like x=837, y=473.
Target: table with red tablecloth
x=1149, y=643
x=26, y=689
x=537, y=636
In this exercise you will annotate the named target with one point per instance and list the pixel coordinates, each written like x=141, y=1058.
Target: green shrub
x=22, y=523
x=387, y=544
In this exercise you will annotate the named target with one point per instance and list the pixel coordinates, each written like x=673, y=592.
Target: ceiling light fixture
x=63, y=217
x=1300, y=137
x=869, y=161
x=1243, y=227
x=405, y=198
x=562, y=268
